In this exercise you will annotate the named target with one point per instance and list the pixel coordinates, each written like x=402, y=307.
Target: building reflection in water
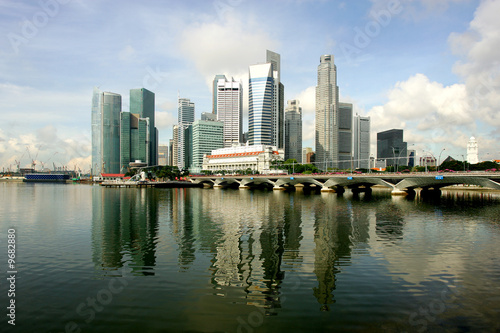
x=124, y=230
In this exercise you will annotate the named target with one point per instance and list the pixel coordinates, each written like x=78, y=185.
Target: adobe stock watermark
x=429, y=313
x=30, y=27
x=364, y=36
x=93, y=305
x=153, y=78
x=222, y=7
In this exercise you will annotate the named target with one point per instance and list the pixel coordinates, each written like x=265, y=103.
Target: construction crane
x=33, y=160
x=43, y=163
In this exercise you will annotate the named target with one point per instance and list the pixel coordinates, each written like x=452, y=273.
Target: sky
x=429, y=67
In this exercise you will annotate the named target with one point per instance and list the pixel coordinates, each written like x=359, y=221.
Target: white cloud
x=480, y=63
x=227, y=47
x=414, y=10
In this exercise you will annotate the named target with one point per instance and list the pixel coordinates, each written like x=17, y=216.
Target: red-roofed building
x=256, y=158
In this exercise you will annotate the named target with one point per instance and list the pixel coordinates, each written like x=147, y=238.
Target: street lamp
x=439, y=159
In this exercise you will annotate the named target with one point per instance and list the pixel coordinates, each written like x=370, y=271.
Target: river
x=93, y=259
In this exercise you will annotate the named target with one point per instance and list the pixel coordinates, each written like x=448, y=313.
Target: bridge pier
x=244, y=187
x=279, y=188
x=398, y=192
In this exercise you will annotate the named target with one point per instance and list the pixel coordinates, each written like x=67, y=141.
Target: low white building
x=257, y=158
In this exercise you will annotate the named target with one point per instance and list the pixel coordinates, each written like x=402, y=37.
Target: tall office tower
x=106, y=108
x=278, y=115
x=171, y=150
x=163, y=154
x=214, y=91
x=134, y=140
x=185, y=118
x=207, y=136
x=327, y=101
x=361, y=142
x=293, y=131
x=230, y=110
x=392, y=148
x=472, y=151
x=260, y=105
x=142, y=102
x=345, y=136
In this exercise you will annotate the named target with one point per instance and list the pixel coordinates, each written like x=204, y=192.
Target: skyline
x=429, y=69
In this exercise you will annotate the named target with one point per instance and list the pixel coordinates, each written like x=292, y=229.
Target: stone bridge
x=400, y=184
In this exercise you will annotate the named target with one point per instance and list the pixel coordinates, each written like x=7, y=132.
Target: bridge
x=400, y=184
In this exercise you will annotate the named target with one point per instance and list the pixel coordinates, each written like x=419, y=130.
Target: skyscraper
x=207, y=136
x=391, y=147
x=214, y=91
x=142, y=102
x=229, y=110
x=106, y=108
x=327, y=100
x=266, y=103
x=278, y=115
x=134, y=140
x=361, y=142
x=260, y=104
x=185, y=118
x=345, y=136
x=293, y=131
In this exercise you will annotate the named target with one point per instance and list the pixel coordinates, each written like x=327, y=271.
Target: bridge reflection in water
x=400, y=184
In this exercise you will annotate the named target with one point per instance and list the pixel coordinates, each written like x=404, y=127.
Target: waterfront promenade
x=399, y=183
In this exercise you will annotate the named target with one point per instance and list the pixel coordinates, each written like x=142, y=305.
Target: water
x=92, y=259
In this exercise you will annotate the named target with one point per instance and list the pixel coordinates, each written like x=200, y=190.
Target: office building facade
x=207, y=136
x=361, y=137
x=142, y=103
x=214, y=91
x=230, y=110
x=266, y=124
x=472, y=151
x=185, y=118
x=293, y=131
x=106, y=108
x=345, y=136
x=392, y=148
x=327, y=101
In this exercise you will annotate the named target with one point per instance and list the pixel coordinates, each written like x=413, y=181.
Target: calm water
x=92, y=259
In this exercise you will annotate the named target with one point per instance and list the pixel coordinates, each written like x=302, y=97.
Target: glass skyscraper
x=345, y=136
x=142, y=102
x=207, y=136
x=185, y=119
x=260, y=104
x=391, y=147
x=293, y=131
x=361, y=135
x=106, y=108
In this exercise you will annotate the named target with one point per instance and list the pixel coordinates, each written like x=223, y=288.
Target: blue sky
x=429, y=67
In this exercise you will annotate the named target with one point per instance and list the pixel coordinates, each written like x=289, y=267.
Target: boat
x=46, y=177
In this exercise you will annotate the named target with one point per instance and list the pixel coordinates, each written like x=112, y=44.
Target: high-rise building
x=392, y=148
x=207, y=136
x=361, y=135
x=345, y=136
x=472, y=151
x=135, y=140
x=214, y=91
x=230, y=110
x=266, y=123
x=142, y=102
x=327, y=103
x=185, y=118
x=278, y=115
x=106, y=108
x=293, y=131
x=171, y=149
x=163, y=154
x=260, y=104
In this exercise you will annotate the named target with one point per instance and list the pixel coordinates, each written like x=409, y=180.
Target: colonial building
x=256, y=158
